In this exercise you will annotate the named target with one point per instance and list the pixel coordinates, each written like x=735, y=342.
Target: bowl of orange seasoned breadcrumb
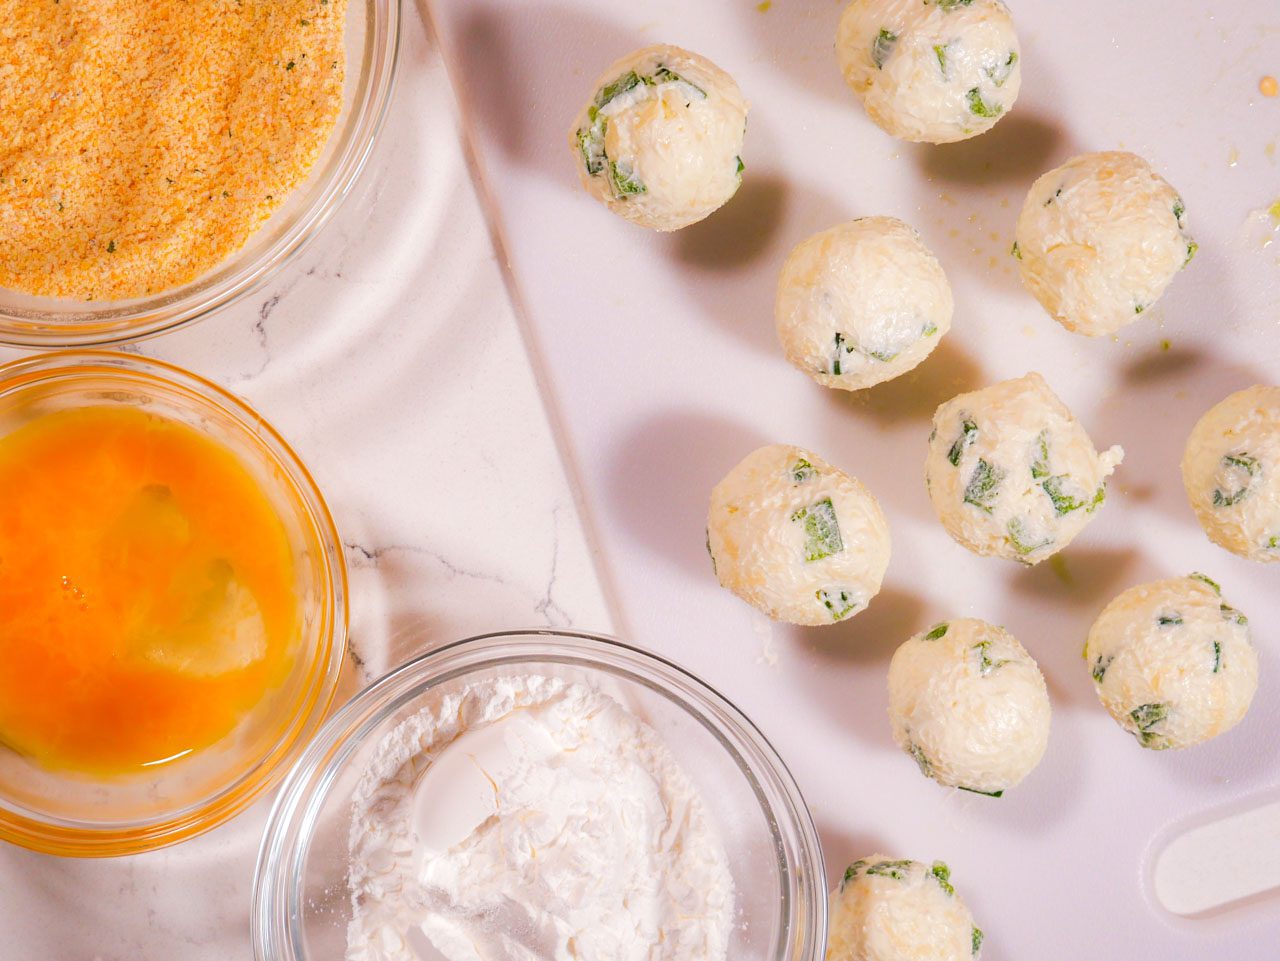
x=162, y=160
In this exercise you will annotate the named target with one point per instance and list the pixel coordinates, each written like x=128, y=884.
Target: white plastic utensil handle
x=1220, y=863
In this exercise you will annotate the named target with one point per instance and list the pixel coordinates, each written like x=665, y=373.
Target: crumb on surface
x=1268, y=87
x=145, y=143
x=1058, y=564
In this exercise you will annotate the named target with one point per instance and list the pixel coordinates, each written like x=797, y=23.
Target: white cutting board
x=658, y=353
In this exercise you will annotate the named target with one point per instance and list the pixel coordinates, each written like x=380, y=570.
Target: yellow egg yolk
x=147, y=591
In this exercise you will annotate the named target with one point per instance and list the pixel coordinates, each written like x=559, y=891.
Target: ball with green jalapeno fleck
x=932, y=71
x=861, y=303
x=798, y=539
x=1172, y=662
x=1231, y=470
x=660, y=141
x=891, y=909
x=1012, y=473
x=969, y=705
x=1099, y=240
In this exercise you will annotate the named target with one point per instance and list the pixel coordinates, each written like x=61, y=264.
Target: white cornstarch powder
x=531, y=819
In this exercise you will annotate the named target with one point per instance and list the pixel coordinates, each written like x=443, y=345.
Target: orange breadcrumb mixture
x=142, y=143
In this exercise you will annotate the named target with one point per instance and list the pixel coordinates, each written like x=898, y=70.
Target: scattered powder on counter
x=762, y=627
x=1262, y=227
x=141, y=144
x=529, y=819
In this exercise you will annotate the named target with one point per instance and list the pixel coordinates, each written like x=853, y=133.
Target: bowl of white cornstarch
x=539, y=795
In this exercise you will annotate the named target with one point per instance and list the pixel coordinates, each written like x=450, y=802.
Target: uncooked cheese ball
x=899, y=910
x=1231, y=469
x=1012, y=473
x=931, y=70
x=1172, y=662
x=969, y=704
x=660, y=143
x=861, y=303
x=1099, y=239
x=797, y=538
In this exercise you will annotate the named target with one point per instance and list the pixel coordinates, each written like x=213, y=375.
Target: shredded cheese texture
x=797, y=538
x=142, y=144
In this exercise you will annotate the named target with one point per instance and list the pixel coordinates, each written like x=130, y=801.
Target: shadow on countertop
x=661, y=476
x=737, y=252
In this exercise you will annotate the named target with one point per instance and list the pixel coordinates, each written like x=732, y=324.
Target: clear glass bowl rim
x=276, y=915
x=67, y=838
x=158, y=313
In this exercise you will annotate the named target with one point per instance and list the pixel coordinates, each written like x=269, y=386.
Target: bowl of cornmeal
x=175, y=604
x=164, y=159
x=541, y=794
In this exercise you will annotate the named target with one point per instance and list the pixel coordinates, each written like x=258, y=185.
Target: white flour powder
x=527, y=819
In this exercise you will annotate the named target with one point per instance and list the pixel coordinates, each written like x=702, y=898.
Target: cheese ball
x=797, y=538
x=1231, y=470
x=1172, y=662
x=969, y=704
x=861, y=303
x=899, y=910
x=932, y=71
x=1011, y=472
x=660, y=142
x=1099, y=239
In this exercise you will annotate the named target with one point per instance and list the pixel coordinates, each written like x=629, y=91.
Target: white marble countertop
x=391, y=358
x=666, y=366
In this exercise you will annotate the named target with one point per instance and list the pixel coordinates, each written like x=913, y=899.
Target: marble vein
x=361, y=355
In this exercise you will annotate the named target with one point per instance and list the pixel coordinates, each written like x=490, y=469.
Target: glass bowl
x=301, y=901
x=372, y=38
x=59, y=812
